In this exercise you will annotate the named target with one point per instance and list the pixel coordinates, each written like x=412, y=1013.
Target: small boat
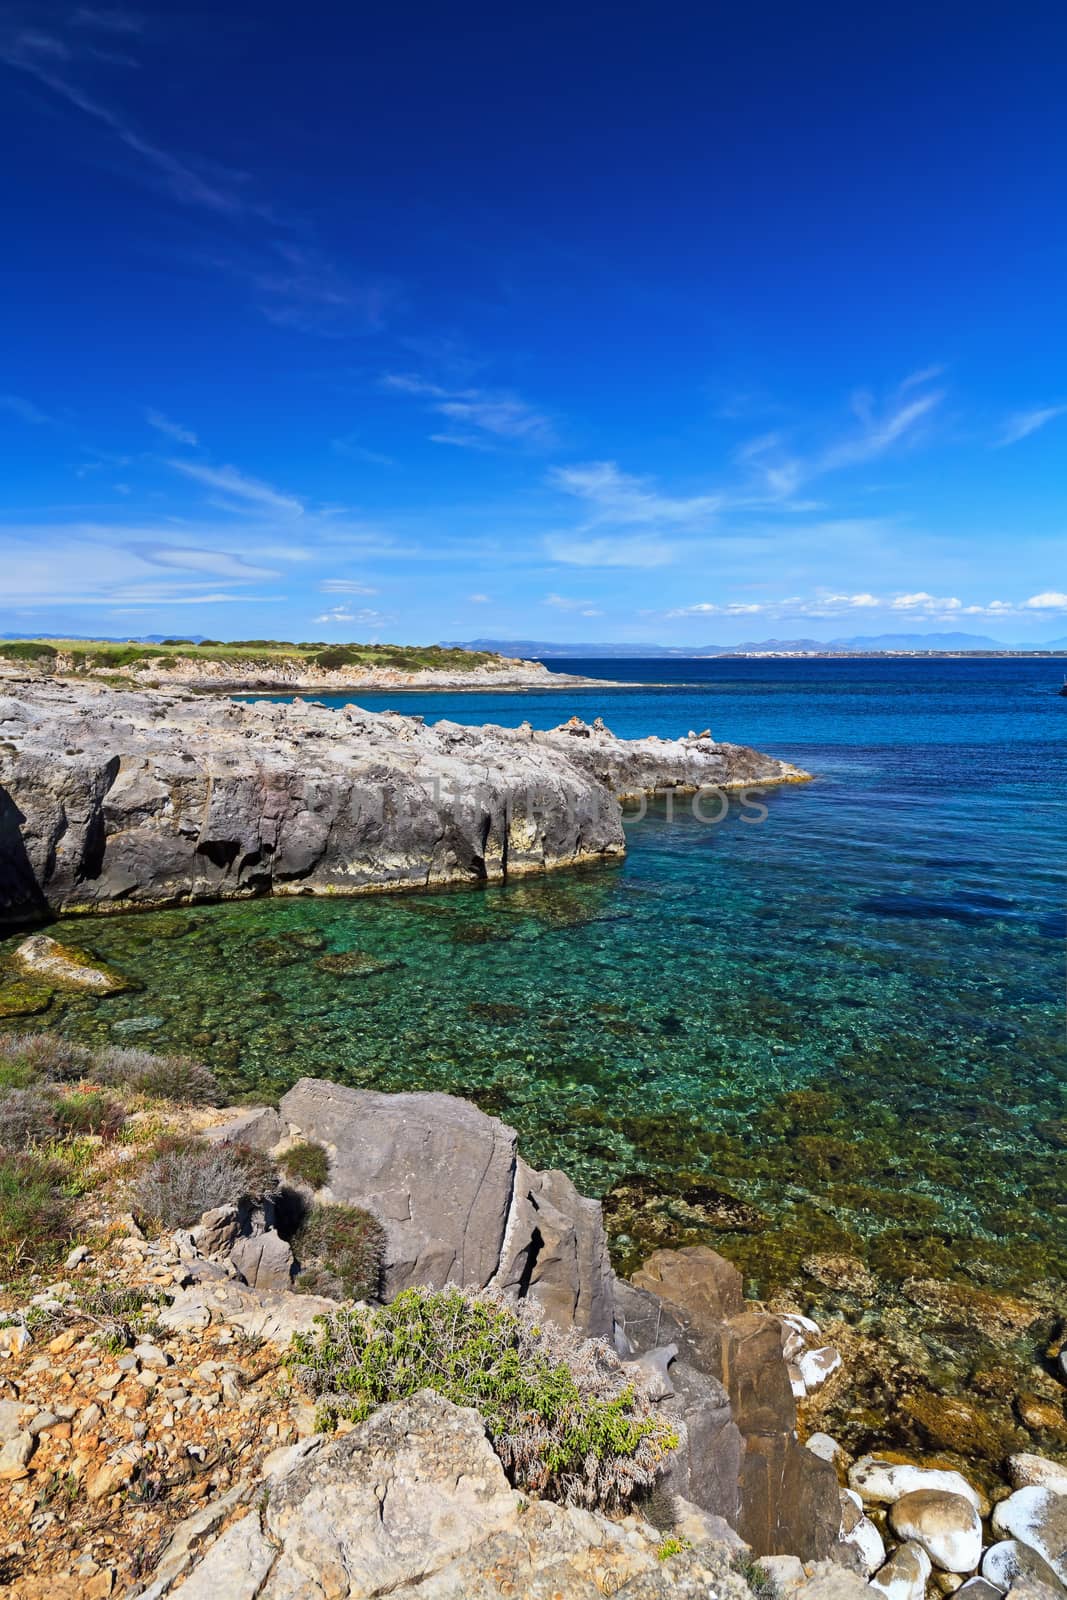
x=1063, y=691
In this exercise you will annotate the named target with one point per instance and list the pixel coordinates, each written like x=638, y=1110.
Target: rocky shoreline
x=113, y=800
x=169, y=1449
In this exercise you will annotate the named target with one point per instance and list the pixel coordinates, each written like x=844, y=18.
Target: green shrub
x=189, y=1176
x=337, y=657
x=306, y=1163
x=565, y=1418
x=35, y=1212
x=759, y=1580
x=16, y=1074
x=341, y=1242
x=88, y=1110
x=26, y=650
x=178, y=1078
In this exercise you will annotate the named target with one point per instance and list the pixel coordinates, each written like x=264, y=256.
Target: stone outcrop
x=632, y=767
x=458, y=1204
x=115, y=799
x=415, y=1504
x=788, y=1501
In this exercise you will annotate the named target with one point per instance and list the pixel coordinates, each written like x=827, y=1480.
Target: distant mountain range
x=543, y=648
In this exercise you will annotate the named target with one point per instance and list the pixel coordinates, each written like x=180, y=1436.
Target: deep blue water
x=849, y=1017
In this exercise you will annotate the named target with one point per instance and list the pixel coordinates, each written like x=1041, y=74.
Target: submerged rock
x=66, y=967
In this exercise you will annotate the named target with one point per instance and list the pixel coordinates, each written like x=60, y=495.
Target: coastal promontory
x=111, y=799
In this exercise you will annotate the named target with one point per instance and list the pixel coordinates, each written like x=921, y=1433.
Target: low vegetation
x=187, y=1177
x=307, y=1163
x=340, y=1251
x=566, y=1420
x=90, y=655
x=64, y=1124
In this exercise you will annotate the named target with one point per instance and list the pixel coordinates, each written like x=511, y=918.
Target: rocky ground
x=154, y=1439
x=112, y=800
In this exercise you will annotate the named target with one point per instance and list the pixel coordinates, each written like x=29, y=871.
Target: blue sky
x=684, y=324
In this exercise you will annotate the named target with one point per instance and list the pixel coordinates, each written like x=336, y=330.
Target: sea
x=831, y=1031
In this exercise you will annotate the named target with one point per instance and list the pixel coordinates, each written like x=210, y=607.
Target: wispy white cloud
x=624, y=500
x=348, y=445
x=1050, y=600
x=784, y=470
x=173, y=430
x=609, y=551
x=109, y=19
x=24, y=409
x=477, y=413
x=1023, y=423
x=298, y=287
x=345, y=586
x=340, y=616
x=188, y=558
x=562, y=602
x=479, y=599
x=49, y=60
x=239, y=485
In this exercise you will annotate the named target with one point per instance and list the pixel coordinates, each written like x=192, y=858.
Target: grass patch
x=565, y=1418
x=306, y=1163
x=340, y=1251
x=35, y=1211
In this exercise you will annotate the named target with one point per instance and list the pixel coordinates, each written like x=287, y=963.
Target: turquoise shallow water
x=838, y=1030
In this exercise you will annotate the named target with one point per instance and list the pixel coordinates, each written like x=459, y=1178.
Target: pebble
x=150, y=1355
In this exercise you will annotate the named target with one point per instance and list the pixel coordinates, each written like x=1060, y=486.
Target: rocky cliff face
x=112, y=799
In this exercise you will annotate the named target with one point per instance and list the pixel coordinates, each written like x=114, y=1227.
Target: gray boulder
x=457, y=1203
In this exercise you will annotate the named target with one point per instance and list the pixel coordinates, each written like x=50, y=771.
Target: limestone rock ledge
x=113, y=799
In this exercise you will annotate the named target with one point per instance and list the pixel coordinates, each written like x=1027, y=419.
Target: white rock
x=815, y=1366
x=794, y=1319
x=946, y=1526
x=1029, y=1471
x=1003, y=1563
x=77, y=1256
x=236, y=1565
x=787, y=1572
x=14, y=1338
x=15, y=1454
x=150, y=1355
x=11, y=1414
x=1036, y=1517
x=904, y=1575
x=868, y=1545
x=796, y=1382
x=827, y=1449
x=884, y=1482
